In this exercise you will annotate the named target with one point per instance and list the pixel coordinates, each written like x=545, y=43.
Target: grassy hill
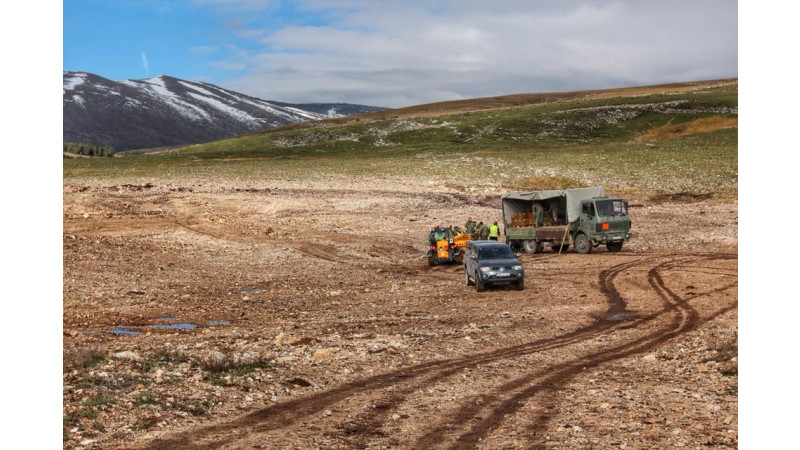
x=679, y=138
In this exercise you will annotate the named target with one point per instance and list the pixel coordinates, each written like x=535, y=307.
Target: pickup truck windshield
x=495, y=253
x=611, y=208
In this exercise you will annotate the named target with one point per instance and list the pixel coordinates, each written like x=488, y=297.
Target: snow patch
x=75, y=81
x=199, y=89
x=231, y=111
x=77, y=99
x=157, y=88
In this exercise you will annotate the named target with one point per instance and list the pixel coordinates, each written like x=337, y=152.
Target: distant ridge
x=165, y=111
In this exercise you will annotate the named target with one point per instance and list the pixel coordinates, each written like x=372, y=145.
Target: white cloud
x=393, y=53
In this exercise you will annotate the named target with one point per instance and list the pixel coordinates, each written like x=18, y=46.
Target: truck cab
x=602, y=221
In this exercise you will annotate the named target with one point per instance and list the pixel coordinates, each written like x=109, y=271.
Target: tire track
x=401, y=383
x=496, y=406
x=285, y=414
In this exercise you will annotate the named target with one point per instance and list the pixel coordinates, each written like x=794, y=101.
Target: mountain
x=166, y=111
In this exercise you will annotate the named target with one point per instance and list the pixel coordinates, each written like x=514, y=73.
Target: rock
x=248, y=357
x=280, y=339
x=395, y=416
x=702, y=368
x=159, y=375
x=216, y=358
x=127, y=355
x=323, y=354
x=284, y=360
x=327, y=413
x=649, y=357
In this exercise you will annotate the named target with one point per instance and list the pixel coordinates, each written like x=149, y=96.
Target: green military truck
x=582, y=217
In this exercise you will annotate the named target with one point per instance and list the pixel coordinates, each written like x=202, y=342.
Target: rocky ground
x=301, y=316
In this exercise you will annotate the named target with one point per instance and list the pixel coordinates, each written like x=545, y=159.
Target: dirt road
x=316, y=322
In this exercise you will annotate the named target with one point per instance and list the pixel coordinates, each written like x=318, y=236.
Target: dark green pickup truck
x=582, y=217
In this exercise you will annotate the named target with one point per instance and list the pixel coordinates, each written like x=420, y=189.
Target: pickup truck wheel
x=582, y=244
x=466, y=278
x=614, y=246
x=520, y=285
x=479, y=286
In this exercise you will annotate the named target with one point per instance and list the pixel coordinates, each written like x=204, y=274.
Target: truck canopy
x=516, y=202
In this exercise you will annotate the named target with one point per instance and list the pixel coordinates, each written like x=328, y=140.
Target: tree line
x=83, y=148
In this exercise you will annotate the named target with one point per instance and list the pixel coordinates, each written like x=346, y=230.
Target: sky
x=401, y=53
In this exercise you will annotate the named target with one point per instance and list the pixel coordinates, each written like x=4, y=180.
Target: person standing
x=483, y=231
x=469, y=227
x=494, y=232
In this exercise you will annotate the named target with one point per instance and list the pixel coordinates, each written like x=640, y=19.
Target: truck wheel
x=614, y=246
x=479, y=286
x=520, y=285
x=582, y=244
x=432, y=261
x=531, y=246
x=466, y=278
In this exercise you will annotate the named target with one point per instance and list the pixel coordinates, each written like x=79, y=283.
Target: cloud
x=394, y=53
x=145, y=64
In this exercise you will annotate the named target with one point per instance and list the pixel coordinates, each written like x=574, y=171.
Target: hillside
x=167, y=111
x=670, y=138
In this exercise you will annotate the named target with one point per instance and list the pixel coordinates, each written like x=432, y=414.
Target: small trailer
x=582, y=217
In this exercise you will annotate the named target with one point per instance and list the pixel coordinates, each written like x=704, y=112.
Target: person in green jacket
x=469, y=227
x=483, y=231
x=494, y=232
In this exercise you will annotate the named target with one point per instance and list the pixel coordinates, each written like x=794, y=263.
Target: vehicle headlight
x=517, y=267
x=485, y=269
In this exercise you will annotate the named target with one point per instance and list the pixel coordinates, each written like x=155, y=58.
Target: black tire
x=432, y=261
x=583, y=244
x=459, y=259
x=531, y=246
x=466, y=277
x=520, y=285
x=479, y=286
x=614, y=247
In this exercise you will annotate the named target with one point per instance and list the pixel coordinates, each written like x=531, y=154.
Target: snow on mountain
x=165, y=111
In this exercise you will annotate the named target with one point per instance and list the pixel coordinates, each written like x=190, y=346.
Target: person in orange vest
x=494, y=232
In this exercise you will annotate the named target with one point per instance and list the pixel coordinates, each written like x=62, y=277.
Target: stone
x=322, y=354
x=280, y=339
x=649, y=357
x=127, y=355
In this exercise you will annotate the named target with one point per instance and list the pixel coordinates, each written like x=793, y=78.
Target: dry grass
x=703, y=125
